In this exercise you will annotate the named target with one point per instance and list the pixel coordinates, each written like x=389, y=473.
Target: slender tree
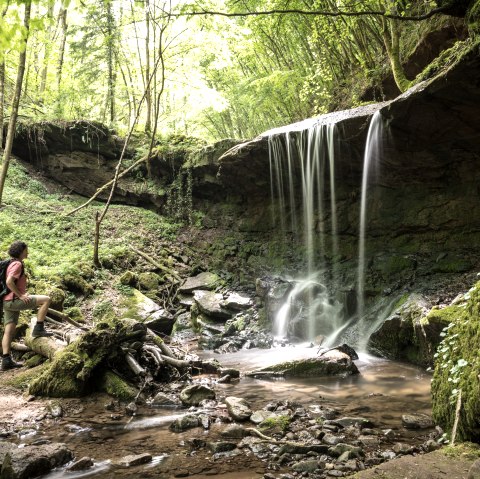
x=16, y=99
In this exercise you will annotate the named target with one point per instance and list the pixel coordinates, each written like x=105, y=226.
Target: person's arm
x=13, y=287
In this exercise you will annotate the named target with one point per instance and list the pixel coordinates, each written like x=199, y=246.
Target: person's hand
x=25, y=298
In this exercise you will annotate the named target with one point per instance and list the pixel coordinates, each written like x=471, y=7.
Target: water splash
x=373, y=152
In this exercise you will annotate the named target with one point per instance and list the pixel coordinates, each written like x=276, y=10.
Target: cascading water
x=299, y=163
x=373, y=152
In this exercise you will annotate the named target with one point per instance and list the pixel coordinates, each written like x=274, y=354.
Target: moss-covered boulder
x=57, y=295
x=331, y=363
x=457, y=370
x=148, y=281
x=76, y=284
x=145, y=310
x=411, y=333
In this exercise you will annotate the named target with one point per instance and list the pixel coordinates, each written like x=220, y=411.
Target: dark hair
x=17, y=248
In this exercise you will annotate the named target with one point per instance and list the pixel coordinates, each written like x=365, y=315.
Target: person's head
x=18, y=250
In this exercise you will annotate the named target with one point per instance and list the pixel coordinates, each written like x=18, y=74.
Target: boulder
x=32, y=461
x=331, y=363
x=195, y=394
x=134, y=460
x=238, y=408
x=204, y=281
x=417, y=421
x=237, y=302
x=211, y=304
x=183, y=423
x=165, y=400
x=146, y=311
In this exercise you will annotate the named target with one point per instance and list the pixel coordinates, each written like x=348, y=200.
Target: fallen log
x=157, y=264
x=134, y=366
x=66, y=318
x=166, y=351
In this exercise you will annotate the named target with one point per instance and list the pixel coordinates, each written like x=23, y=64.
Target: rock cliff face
x=423, y=208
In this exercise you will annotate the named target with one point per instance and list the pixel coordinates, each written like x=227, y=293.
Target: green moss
x=23, y=378
x=115, y=386
x=467, y=450
x=102, y=310
x=457, y=369
x=447, y=265
x=276, y=424
x=60, y=378
x=76, y=314
x=77, y=284
x=148, y=281
x=129, y=278
x=34, y=361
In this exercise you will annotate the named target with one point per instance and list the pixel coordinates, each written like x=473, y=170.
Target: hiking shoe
x=9, y=363
x=39, y=331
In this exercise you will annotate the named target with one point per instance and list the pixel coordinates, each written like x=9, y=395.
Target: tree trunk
x=46, y=55
x=110, y=62
x=391, y=40
x=148, y=96
x=16, y=102
x=62, y=18
x=2, y=87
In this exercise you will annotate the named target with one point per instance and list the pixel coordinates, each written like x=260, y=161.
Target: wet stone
x=164, y=400
x=417, y=421
x=238, y=408
x=332, y=440
x=186, y=422
x=221, y=446
x=308, y=466
x=81, y=464
x=193, y=395
x=401, y=448
x=259, y=416
x=234, y=431
x=135, y=460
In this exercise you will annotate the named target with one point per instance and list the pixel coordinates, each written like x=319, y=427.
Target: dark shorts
x=11, y=309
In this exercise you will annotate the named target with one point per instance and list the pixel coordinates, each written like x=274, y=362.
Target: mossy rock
x=85, y=270
x=76, y=284
x=34, y=361
x=457, y=371
x=148, y=281
x=129, y=278
x=452, y=265
x=411, y=333
x=57, y=295
x=275, y=424
x=76, y=314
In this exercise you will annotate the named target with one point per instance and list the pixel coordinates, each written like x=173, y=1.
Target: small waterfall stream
x=373, y=152
x=302, y=169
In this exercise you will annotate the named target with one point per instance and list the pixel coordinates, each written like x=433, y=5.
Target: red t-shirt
x=15, y=269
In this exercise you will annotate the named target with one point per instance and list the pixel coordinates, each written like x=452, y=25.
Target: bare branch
x=325, y=13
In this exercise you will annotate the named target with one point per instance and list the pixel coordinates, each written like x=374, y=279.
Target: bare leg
x=8, y=335
x=43, y=302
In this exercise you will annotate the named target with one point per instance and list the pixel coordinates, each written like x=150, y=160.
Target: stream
x=382, y=392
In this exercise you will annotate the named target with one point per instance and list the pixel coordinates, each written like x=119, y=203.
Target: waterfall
x=373, y=151
x=302, y=167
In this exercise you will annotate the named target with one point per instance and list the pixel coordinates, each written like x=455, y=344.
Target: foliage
x=223, y=77
x=457, y=371
x=60, y=244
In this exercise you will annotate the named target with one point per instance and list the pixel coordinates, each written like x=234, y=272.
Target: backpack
x=3, y=279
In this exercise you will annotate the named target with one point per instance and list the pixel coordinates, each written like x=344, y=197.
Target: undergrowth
x=36, y=213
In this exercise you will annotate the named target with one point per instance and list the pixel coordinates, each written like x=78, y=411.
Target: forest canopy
x=215, y=69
